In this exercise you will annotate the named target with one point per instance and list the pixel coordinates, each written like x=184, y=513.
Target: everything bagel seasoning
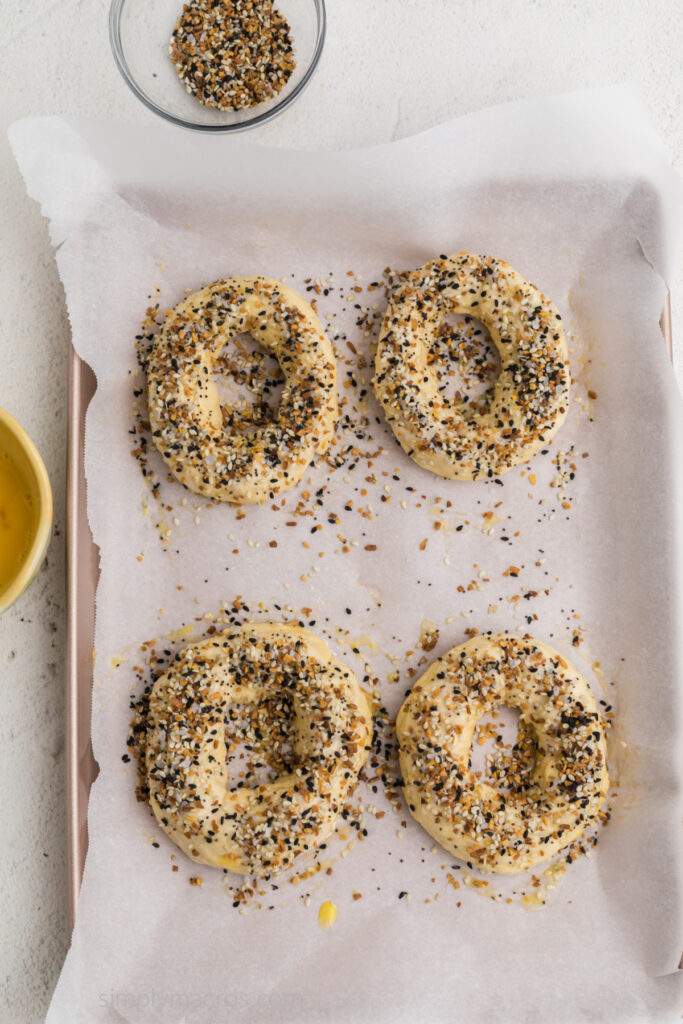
x=232, y=54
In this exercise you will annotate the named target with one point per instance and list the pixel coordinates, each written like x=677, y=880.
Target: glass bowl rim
x=115, y=13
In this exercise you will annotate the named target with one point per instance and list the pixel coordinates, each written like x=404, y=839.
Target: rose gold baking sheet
x=82, y=567
x=82, y=577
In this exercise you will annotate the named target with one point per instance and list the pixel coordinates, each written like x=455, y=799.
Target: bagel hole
x=250, y=382
x=259, y=740
x=465, y=359
x=503, y=749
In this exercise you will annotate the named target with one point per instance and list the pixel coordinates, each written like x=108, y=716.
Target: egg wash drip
x=17, y=520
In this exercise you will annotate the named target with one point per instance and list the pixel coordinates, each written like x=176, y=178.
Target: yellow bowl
x=24, y=459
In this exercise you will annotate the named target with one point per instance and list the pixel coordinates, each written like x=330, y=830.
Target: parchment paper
x=575, y=192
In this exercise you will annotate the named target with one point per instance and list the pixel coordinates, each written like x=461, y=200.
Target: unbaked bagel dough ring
x=527, y=403
x=184, y=405
x=548, y=804
x=257, y=830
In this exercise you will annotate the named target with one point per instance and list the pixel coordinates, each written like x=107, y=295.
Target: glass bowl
x=140, y=33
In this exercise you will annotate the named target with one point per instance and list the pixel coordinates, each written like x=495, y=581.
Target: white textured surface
x=389, y=69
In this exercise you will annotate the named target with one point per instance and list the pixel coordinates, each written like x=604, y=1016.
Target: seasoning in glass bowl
x=232, y=54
